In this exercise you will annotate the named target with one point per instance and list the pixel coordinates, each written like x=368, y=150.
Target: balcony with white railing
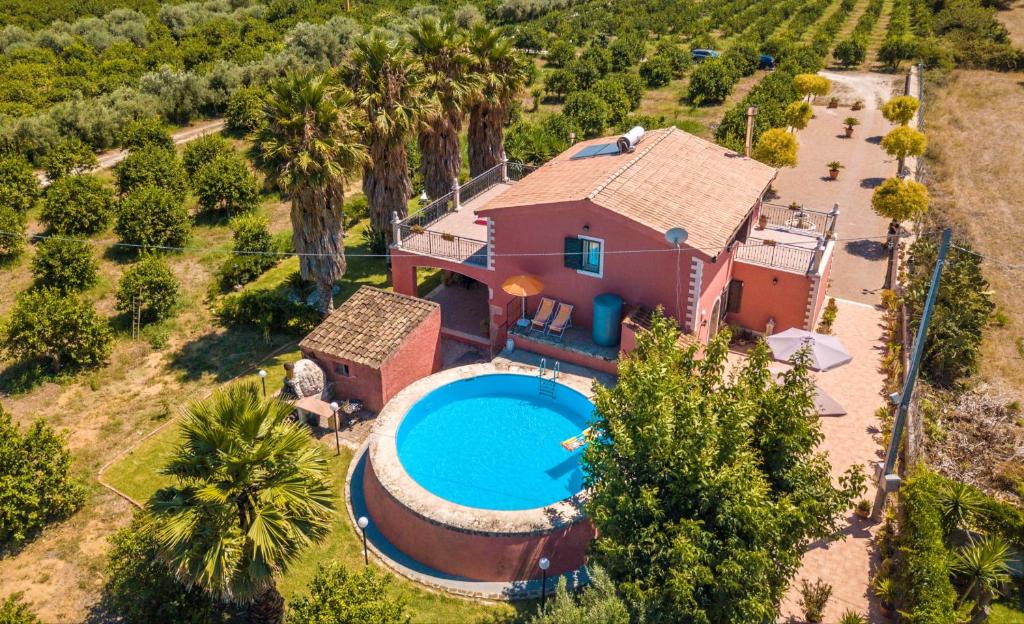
x=447, y=228
x=789, y=238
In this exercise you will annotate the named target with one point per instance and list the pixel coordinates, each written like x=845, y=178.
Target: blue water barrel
x=607, y=319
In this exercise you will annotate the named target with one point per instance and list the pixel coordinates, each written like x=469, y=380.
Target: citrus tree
x=776, y=148
x=902, y=142
x=68, y=157
x=62, y=330
x=65, y=264
x=78, y=204
x=148, y=286
x=337, y=596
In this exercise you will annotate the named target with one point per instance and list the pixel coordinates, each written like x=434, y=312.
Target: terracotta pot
x=885, y=610
x=849, y=132
x=833, y=104
x=762, y=222
x=863, y=514
x=833, y=173
x=857, y=106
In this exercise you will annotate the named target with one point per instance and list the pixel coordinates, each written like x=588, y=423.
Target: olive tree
x=62, y=330
x=148, y=287
x=776, y=148
x=153, y=216
x=902, y=142
x=900, y=200
x=78, y=204
x=65, y=264
x=901, y=109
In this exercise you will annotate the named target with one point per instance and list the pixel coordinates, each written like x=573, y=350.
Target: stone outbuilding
x=375, y=344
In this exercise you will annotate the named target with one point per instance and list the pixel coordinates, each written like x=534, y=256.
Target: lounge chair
x=562, y=320
x=545, y=310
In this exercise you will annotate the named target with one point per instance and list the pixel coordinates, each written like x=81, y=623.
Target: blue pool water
x=494, y=442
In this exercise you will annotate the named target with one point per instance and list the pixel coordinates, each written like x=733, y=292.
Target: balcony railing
x=443, y=245
x=779, y=255
x=797, y=217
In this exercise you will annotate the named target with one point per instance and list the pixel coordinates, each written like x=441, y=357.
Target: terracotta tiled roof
x=672, y=179
x=368, y=327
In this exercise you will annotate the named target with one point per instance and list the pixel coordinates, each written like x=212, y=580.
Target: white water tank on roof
x=629, y=141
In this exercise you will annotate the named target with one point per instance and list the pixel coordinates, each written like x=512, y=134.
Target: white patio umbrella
x=825, y=351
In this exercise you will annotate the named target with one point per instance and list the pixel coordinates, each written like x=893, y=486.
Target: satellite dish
x=676, y=236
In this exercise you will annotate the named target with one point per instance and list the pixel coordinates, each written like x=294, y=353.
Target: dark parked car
x=700, y=54
x=767, y=62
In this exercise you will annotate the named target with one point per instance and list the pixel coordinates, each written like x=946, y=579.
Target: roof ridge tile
x=618, y=172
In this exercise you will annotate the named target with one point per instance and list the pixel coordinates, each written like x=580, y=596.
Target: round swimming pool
x=466, y=473
x=494, y=442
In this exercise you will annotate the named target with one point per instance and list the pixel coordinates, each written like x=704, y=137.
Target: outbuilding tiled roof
x=672, y=179
x=368, y=327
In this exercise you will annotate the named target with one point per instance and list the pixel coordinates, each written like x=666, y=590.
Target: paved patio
x=464, y=309
x=850, y=440
x=858, y=272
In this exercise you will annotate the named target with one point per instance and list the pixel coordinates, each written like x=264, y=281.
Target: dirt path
x=108, y=159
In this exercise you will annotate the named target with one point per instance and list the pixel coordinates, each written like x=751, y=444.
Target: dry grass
x=977, y=179
x=1014, y=22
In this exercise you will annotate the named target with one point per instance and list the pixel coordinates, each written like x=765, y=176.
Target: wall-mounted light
x=714, y=259
x=775, y=281
x=586, y=227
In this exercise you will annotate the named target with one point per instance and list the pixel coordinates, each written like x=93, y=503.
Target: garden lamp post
x=263, y=379
x=364, y=522
x=544, y=564
x=337, y=425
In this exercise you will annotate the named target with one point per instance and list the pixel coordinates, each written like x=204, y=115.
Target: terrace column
x=833, y=216
x=819, y=251
x=396, y=229
x=504, y=167
x=456, y=200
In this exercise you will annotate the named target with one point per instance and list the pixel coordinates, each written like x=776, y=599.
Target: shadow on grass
x=23, y=376
x=225, y=353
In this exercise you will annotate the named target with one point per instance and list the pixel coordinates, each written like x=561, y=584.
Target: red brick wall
x=474, y=555
x=363, y=382
x=418, y=356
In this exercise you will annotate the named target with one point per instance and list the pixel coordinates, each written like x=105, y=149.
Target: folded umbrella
x=825, y=352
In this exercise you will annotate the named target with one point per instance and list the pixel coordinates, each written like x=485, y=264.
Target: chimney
x=751, y=113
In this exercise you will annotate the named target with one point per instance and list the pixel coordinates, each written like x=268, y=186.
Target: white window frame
x=600, y=265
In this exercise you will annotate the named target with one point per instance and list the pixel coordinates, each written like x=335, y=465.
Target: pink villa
x=603, y=220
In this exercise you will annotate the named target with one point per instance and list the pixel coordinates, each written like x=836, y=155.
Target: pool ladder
x=547, y=384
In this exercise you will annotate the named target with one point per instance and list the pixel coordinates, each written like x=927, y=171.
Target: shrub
x=244, y=110
x=339, y=596
x=656, y=72
x=850, y=52
x=12, y=240
x=65, y=264
x=828, y=316
x=153, y=216
x=813, y=598
x=588, y=111
x=78, y=204
x=597, y=603
x=63, y=330
x=152, y=166
x=202, y=152
x=900, y=200
x=14, y=611
x=711, y=81
x=811, y=84
x=776, y=148
x=963, y=307
x=922, y=582
x=145, y=132
x=270, y=311
x=900, y=110
x=798, y=114
x=19, y=187
x=70, y=156
x=227, y=184
x=141, y=588
x=149, y=286
x=251, y=235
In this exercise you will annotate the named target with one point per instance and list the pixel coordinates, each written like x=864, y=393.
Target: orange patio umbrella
x=523, y=286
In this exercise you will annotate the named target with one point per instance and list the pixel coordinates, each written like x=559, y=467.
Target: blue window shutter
x=573, y=253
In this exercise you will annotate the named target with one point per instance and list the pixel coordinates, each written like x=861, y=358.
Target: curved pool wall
x=465, y=541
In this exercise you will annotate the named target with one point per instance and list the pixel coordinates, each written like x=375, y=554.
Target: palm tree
x=387, y=83
x=449, y=80
x=503, y=75
x=308, y=147
x=984, y=567
x=253, y=490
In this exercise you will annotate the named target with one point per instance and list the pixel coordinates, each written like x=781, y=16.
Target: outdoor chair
x=545, y=310
x=562, y=320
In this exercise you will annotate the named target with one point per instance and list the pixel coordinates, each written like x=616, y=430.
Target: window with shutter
x=573, y=253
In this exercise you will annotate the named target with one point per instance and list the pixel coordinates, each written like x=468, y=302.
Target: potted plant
x=813, y=598
x=833, y=169
x=833, y=103
x=884, y=590
x=762, y=221
x=850, y=122
x=852, y=617
x=859, y=104
x=448, y=236
x=863, y=508
x=416, y=229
